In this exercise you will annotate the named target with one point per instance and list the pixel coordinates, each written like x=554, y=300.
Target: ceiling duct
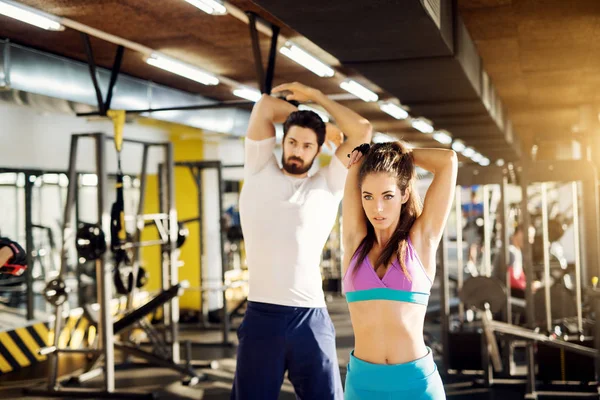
x=34, y=78
x=417, y=50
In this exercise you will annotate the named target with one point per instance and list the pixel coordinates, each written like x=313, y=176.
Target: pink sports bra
x=364, y=283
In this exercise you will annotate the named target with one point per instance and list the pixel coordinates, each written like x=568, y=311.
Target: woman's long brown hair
x=395, y=159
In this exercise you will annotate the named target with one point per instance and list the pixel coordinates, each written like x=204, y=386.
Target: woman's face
x=382, y=200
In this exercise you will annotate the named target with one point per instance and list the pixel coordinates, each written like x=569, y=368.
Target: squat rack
x=470, y=175
x=560, y=171
x=169, y=268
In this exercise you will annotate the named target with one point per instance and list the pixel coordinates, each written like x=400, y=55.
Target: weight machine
x=487, y=296
x=106, y=328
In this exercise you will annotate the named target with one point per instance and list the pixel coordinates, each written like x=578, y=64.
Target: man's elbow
x=263, y=102
x=264, y=106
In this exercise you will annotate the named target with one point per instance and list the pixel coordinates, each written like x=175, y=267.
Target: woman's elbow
x=452, y=158
x=367, y=131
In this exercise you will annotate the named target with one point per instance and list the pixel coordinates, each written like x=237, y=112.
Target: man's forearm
x=277, y=109
x=353, y=125
x=267, y=112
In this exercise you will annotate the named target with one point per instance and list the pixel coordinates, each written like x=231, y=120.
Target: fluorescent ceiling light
x=443, y=137
x=211, y=7
x=182, y=69
x=63, y=180
x=422, y=124
x=458, y=146
x=248, y=94
x=8, y=178
x=379, y=137
x=394, y=110
x=484, y=162
x=320, y=113
x=89, y=180
x=358, y=90
x=477, y=157
x=309, y=62
x=468, y=152
x=29, y=16
x=51, y=179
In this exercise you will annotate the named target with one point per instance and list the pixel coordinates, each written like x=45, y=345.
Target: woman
x=13, y=260
x=389, y=266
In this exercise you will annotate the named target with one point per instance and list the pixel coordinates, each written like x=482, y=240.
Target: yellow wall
x=188, y=146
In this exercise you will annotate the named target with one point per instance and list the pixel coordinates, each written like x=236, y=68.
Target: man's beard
x=293, y=168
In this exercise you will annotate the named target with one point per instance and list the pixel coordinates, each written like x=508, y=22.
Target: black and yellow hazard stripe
x=76, y=332
x=20, y=347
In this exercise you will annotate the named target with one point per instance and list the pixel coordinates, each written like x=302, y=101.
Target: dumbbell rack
x=169, y=269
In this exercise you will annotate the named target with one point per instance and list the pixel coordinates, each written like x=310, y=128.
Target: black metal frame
x=265, y=82
x=220, y=104
x=103, y=105
x=29, y=245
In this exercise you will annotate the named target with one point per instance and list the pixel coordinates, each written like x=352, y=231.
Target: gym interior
x=122, y=162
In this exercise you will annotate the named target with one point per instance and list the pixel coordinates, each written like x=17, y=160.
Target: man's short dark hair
x=306, y=119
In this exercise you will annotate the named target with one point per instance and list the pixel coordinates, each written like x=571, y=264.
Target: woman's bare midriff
x=388, y=332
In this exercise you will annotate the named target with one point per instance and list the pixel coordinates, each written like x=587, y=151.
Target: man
x=514, y=264
x=287, y=215
x=13, y=260
x=473, y=234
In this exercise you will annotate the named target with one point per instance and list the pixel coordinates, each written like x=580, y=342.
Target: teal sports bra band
x=387, y=294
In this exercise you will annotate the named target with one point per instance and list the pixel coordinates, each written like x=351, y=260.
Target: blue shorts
x=274, y=339
x=415, y=380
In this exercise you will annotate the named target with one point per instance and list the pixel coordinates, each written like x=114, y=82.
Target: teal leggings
x=415, y=380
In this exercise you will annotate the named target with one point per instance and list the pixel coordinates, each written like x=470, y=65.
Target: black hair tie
x=363, y=148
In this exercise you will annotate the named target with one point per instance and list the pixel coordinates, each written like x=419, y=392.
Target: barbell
x=56, y=292
x=90, y=240
x=478, y=291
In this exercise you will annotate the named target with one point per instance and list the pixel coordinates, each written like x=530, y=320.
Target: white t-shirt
x=286, y=222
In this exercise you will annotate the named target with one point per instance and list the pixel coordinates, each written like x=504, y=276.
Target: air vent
x=433, y=7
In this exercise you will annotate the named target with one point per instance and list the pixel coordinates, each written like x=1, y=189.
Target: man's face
x=300, y=148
